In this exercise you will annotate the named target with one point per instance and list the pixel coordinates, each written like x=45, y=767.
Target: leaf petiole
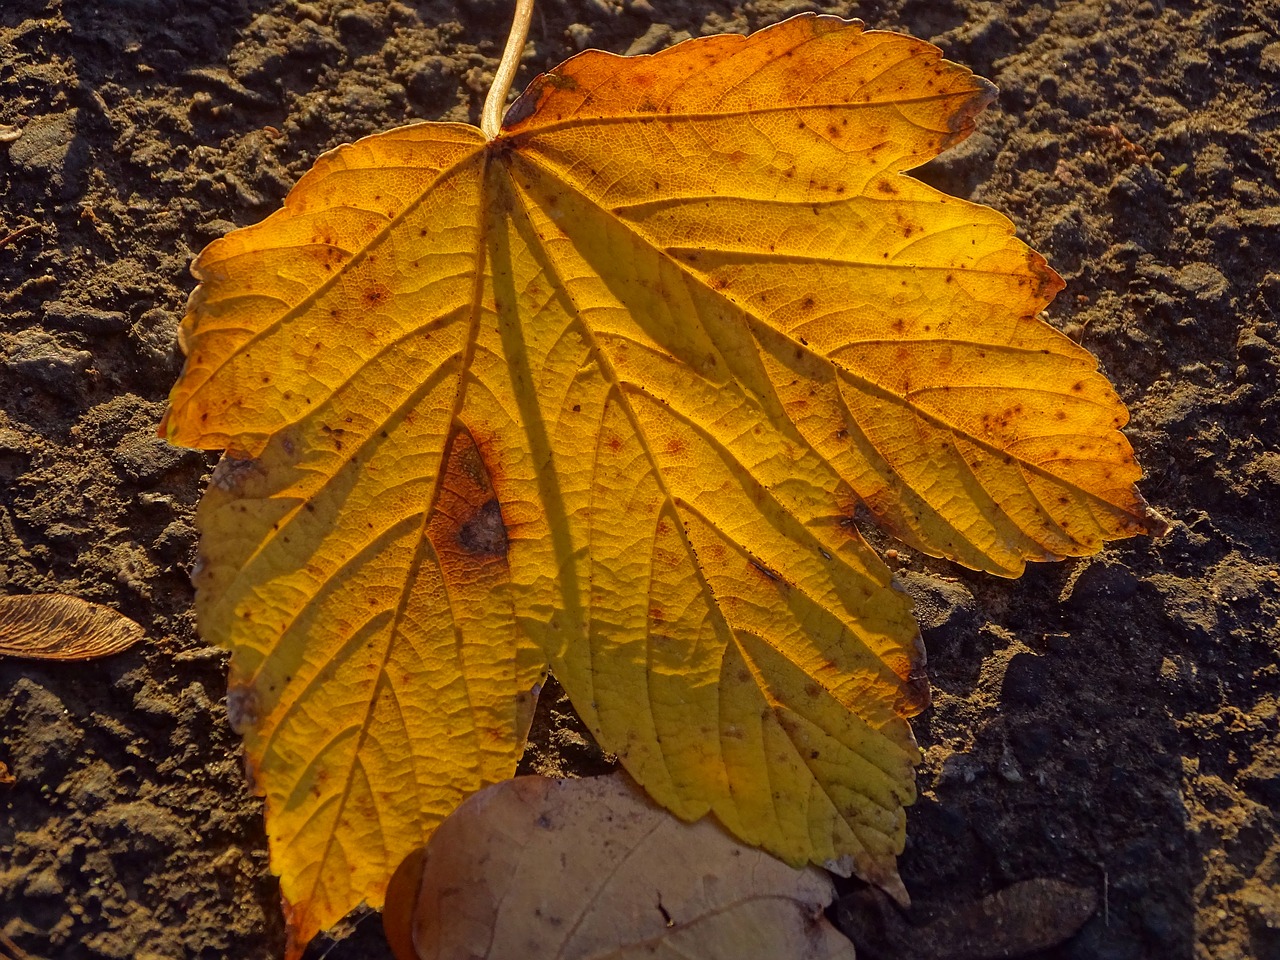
x=491, y=118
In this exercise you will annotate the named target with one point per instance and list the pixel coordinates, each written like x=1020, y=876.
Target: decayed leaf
x=611, y=388
x=53, y=626
x=630, y=882
x=1022, y=919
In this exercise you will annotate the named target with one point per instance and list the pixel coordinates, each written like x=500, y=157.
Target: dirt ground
x=1109, y=722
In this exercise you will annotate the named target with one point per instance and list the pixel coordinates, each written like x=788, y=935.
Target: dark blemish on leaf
x=485, y=534
x=242, y=708
x=232, y=473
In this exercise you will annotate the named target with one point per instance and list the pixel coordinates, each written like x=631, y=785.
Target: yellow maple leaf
x=603, y=392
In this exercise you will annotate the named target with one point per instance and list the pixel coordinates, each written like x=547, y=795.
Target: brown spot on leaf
x=466, y=525
x=375, y=295
x=914, y=694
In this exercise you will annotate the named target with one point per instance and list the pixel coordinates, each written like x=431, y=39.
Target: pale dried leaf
x=630, y=880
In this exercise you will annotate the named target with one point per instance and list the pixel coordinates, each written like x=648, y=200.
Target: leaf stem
x=491, y=118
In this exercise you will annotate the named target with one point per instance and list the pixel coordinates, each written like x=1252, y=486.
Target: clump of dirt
x=1109, y=722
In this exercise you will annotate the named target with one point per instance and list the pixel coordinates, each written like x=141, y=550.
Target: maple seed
x=54, y=626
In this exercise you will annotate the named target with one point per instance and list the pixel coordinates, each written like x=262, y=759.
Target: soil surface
x=1109, y=722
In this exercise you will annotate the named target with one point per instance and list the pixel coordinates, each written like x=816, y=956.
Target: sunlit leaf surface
x=607, y=394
